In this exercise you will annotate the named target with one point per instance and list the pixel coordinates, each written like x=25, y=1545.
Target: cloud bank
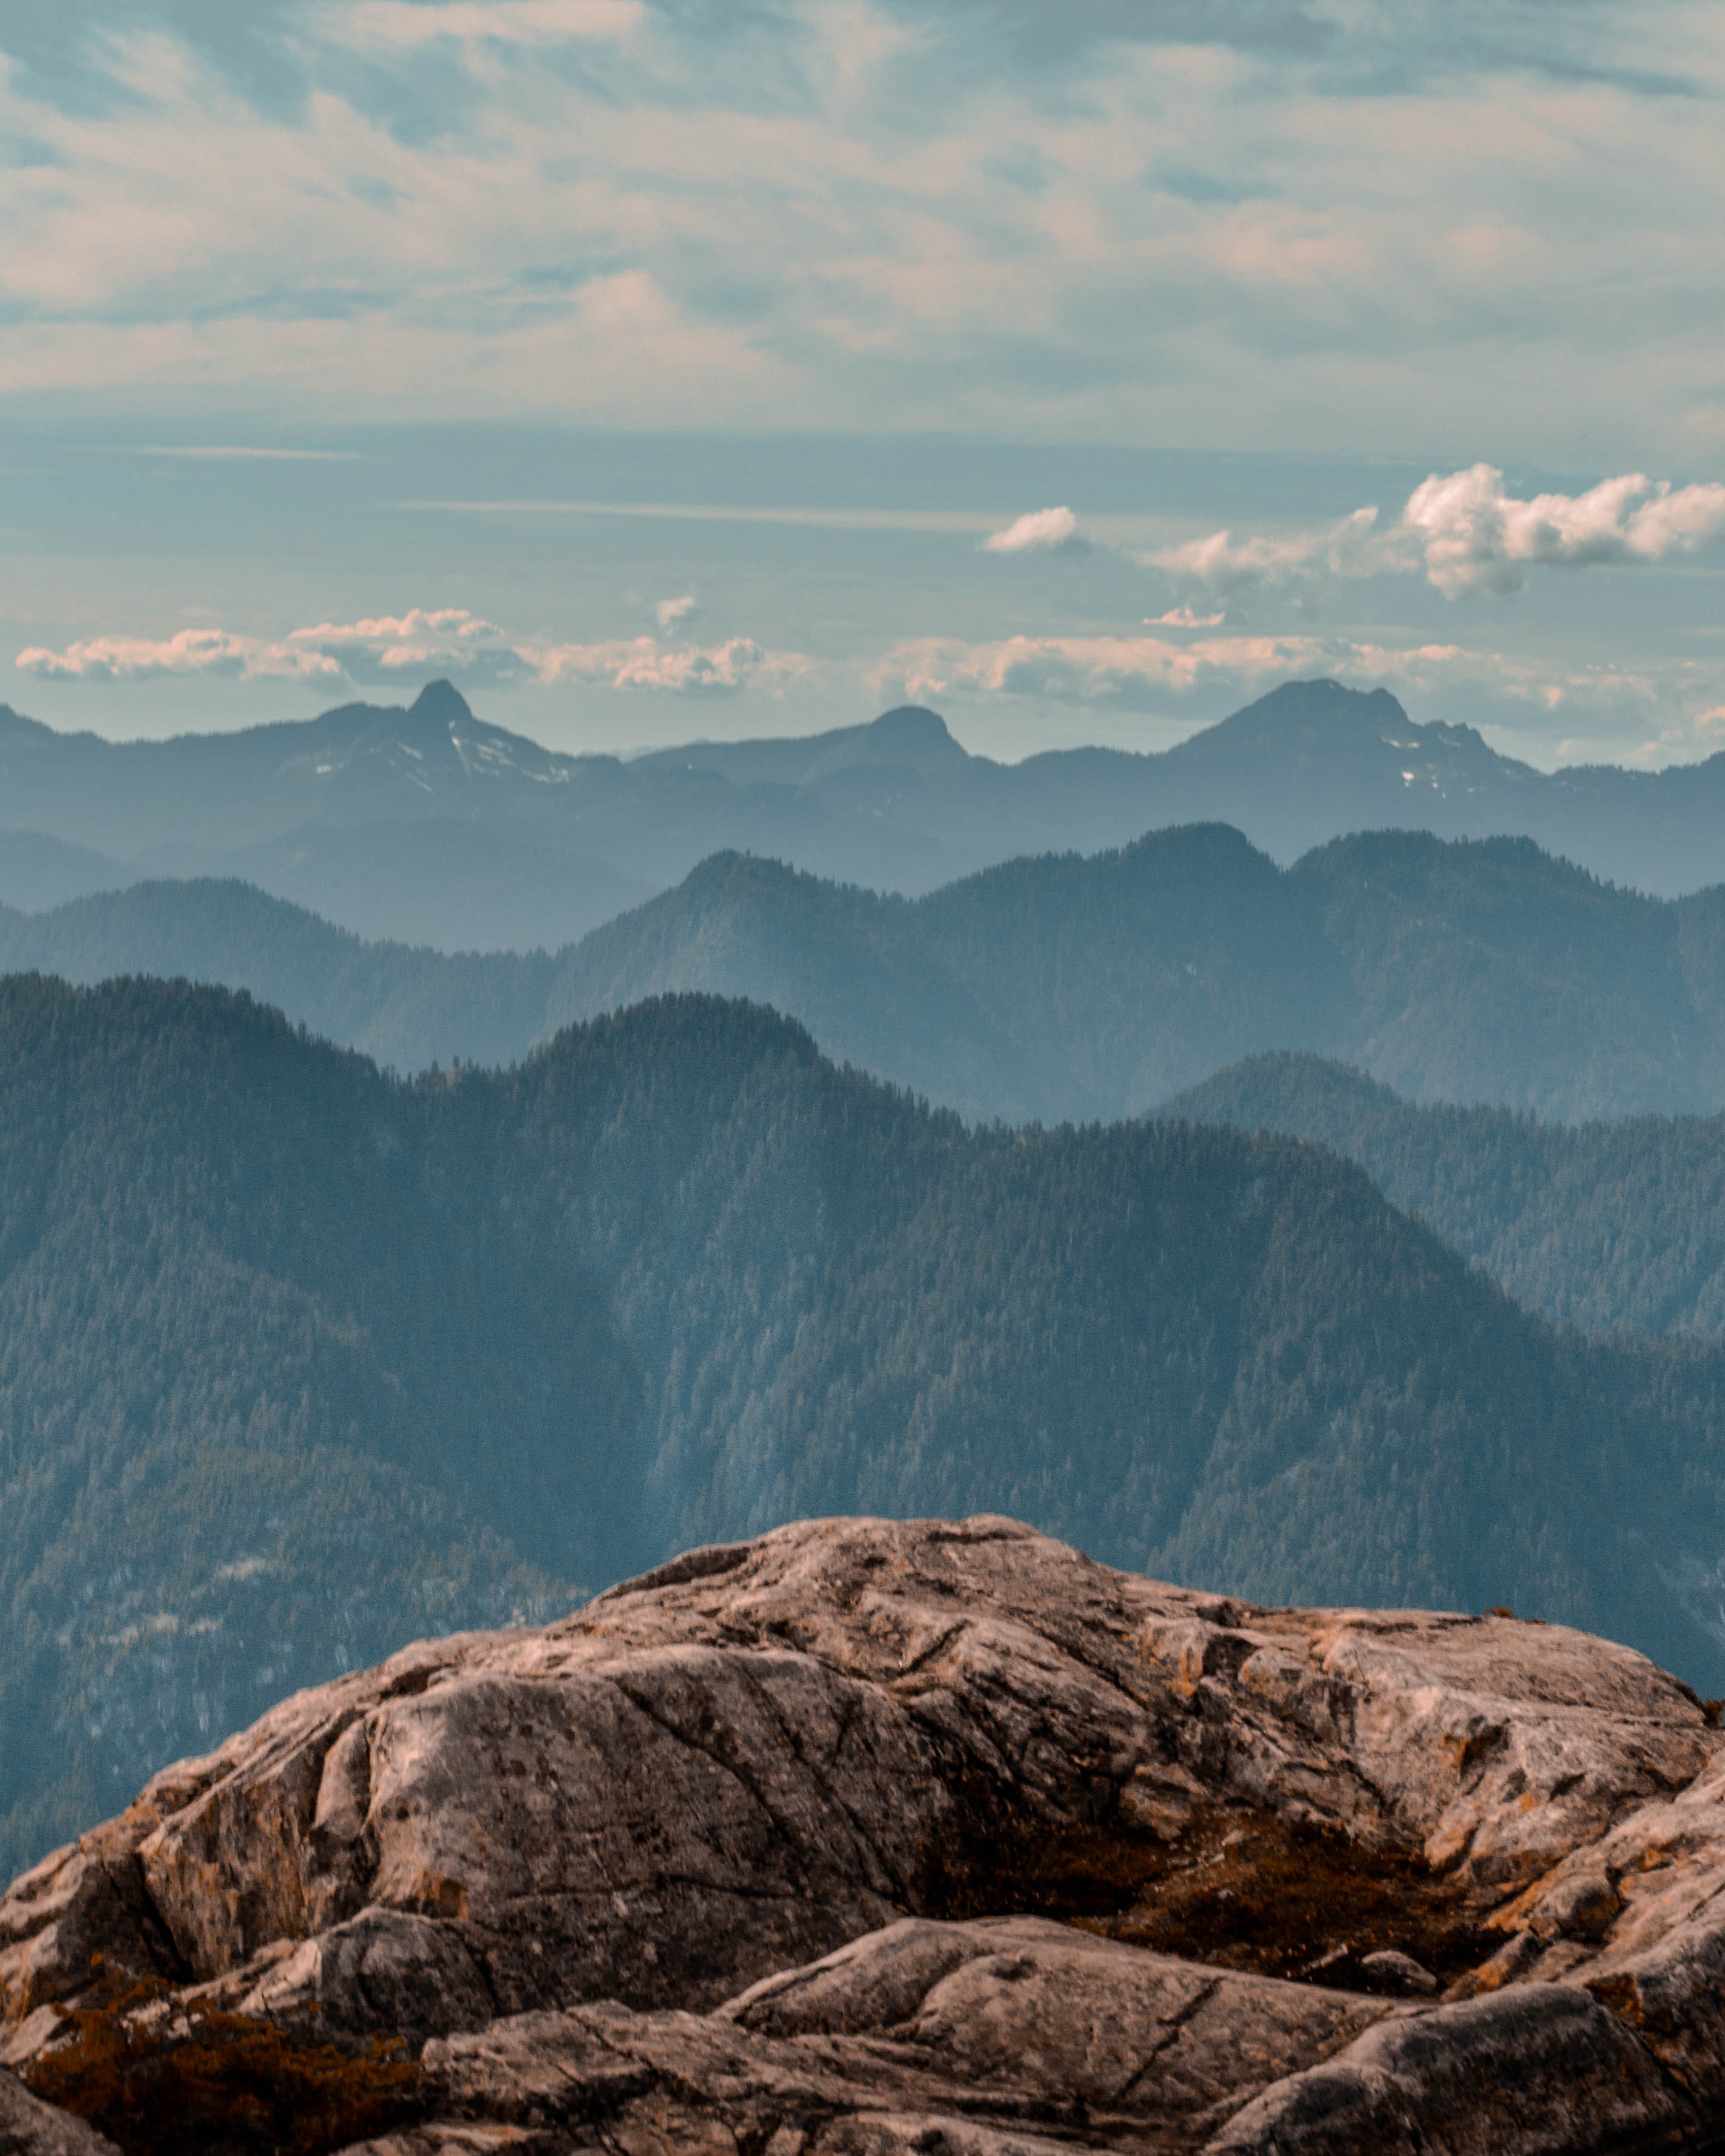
x=1238, y=225
x=392, y=651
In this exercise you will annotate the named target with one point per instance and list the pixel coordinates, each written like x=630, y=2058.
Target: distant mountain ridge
x=429, y=823
x=1053, y=989
x=1605, y=1226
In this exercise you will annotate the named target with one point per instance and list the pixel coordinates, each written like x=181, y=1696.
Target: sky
x=658, y=369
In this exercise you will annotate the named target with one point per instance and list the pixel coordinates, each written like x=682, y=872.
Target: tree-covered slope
x=1062, y=987
x=404, y=1005
x=1055, y=987
x=297, y=1360
x=1601, y=1225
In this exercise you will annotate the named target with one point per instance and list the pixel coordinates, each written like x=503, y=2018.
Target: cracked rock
x=868, y=1837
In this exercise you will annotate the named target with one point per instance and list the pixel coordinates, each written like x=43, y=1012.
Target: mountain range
x=1058, y=988
x=432, y=825
x=298, y=1361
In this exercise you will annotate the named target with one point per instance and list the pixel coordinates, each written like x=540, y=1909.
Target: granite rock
x=868, y=1837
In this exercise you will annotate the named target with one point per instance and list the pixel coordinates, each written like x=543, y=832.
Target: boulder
x=873, y=1835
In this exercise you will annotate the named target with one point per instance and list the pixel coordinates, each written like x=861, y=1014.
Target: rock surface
x=870, y=1837
x=30, y=2128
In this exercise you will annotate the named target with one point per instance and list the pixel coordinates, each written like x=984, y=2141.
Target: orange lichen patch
x=1268, y=1895
x=163, y=2076
x=1622, y=1994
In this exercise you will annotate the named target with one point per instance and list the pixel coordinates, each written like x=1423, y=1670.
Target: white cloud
x=1475, y=537
x=670, y=613
x=403, y=649
x=1464, y=534
x=399, y=647
x=1054, y=531
x=190, y=651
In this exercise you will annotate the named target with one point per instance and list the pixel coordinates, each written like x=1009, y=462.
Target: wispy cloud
x=812, y=518
x=238, y=453
x=405, y=25
x=803, y=216
x=1231, y=568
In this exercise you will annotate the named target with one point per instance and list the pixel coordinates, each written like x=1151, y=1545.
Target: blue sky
x=662, y=367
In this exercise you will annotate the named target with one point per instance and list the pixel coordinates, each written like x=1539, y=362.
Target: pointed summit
x=442, y=703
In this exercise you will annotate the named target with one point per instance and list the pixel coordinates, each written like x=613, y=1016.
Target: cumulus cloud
x=391, y=650
x=1473, y=536
x=1465, y=533
x=1041, y=530
x=394, y=647
x=670, y=613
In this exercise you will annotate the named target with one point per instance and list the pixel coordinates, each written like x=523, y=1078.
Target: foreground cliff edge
x=870, y=1837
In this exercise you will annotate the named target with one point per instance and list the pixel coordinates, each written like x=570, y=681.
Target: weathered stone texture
x=869, y=1837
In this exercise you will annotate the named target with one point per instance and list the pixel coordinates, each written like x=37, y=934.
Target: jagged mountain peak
x=443, y=703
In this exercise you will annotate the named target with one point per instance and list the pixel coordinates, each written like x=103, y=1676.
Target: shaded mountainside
x=37, y=872
x=403, y=1004
x=1600, y=1225
x=1055, y=987
x=432, y=824
x=296, y=1360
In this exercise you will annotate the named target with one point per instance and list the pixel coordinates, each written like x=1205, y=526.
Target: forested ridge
x=298, y=1360
x=1052, y=987
x=1600, y=1225
x=1067, y=987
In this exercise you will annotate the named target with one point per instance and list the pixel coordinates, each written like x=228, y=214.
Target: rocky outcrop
x=28, y=2128
x=869, y=1835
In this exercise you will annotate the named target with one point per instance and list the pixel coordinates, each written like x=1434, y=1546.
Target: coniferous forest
x=298, y=1359
x=1054, y=987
